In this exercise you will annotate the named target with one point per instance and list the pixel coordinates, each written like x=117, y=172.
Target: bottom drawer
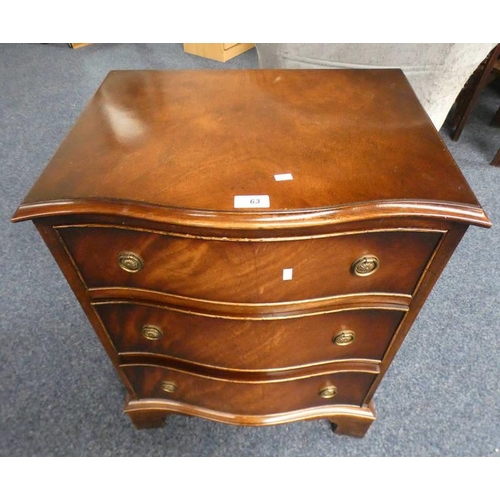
x=248, y=398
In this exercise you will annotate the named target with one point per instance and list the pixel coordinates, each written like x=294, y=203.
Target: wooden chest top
x=193, y=140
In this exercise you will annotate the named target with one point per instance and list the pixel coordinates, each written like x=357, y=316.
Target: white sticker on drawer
x=287, y=274
x=252, y=201
x=283, y=177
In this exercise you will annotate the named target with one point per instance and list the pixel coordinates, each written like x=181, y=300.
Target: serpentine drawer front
x=253, y=257
x=253, y=342
x=215, y=269
x=252, y=398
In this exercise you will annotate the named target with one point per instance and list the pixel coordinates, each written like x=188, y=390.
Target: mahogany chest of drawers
x=252, y=246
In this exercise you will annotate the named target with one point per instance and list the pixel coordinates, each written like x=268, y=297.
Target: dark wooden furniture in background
x=496, y=159
x=487, y=71
x=496, y=123
x=252, y=246
x=484, y=74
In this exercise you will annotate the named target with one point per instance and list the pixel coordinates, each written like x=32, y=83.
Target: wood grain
x=346, y=419
x=250, y=345
x=152, y=167
x=216, y=270
x=194, y=140
x=248, y=398
x=249, y=310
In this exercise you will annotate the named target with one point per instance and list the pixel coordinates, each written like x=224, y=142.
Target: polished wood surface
x=256, y=223
x=53, y=242
x=270, y=310
x=205, y=324
x=246, y=344
x=346, y=419
x=215, y=270
x=250, y=376
x=249, y=398
x=431, y=275
x=195, y=139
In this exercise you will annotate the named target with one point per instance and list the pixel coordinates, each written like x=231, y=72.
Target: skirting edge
x=345, y=419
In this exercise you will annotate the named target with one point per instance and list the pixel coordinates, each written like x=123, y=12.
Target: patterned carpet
x=59, y=393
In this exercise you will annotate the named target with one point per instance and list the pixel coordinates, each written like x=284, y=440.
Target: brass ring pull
x=328, y=392
x=365, y=266
x=151, y=332
x=345, y=337
x=169, y=387
x=130, y=262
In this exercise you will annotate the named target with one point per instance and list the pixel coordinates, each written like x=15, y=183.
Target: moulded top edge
x=257, y=219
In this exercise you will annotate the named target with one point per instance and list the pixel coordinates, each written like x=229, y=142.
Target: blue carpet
x=58, y=391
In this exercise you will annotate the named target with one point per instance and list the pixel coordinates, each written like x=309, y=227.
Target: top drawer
x=249, y=271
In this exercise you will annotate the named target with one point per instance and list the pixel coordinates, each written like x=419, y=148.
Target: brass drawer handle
x=366, y=265
x=151, y=332
x=130, y=262
x=345, y=337
x=328, y=392
x=167, y=386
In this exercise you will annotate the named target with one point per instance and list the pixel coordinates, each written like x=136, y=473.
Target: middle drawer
x=250, y=344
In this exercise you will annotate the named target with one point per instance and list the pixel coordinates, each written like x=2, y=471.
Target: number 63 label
x=252, y=201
